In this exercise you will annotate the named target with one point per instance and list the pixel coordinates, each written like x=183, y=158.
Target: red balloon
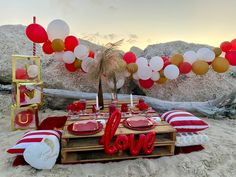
x=165, y=58
x=185, y=67
x=47, y=47
x=129, y=57
x=146, y=83
x=70, y=43
x=70, y=67
x=166, y=63
x=36, y=33
x=231, y=57
x=91, y=54
x=225, y=46
x=21, y=74
x=233, y=42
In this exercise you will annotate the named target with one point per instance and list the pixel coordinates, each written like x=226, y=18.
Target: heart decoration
x=30, y=94
x=43, y=155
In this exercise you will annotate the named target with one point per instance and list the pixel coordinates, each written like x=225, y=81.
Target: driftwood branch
x=218, y=108
x=222, y=107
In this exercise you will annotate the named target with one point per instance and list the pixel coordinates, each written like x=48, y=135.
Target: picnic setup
x=107, y=127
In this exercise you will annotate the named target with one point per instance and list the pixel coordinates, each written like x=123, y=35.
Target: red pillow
x=32, y=137
x=184, y=121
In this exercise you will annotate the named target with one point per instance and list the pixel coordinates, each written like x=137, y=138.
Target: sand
x=217, y=159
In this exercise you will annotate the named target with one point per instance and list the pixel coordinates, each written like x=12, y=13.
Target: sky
x=138, y=22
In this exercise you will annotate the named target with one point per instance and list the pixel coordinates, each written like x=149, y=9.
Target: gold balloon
x=77, y=63
x=220, y=65
x=200, y=67
x=58, y=45
x=132, y=68
x=176, y=59
x=217, y=51
x=162, y=80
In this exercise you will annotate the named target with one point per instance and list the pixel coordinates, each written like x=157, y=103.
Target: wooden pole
x=34, y=46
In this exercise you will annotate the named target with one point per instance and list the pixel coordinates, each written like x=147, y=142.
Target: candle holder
x=97, y=112
x=131, y=109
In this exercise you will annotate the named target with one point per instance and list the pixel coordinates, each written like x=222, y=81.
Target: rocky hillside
x=54, y=75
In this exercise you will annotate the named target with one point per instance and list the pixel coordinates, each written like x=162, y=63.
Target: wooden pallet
x=83, y=149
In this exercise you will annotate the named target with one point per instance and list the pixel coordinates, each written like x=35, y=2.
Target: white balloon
x=86, y=64
x=68, y=57
x=206, y=54
x=81, y=52
x=32, y=71
x=190, y=56
x=120, y=82
x=141, y=61
x=135, y=76
x=58, y=29
x=144, y=72
x=171, y=72
x=58, y=56
x=156, y=63
x=155, y=76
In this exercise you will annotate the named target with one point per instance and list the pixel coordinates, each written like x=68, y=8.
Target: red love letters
x=123, y=142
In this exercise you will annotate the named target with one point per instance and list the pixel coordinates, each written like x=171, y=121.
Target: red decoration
x=166, y=63
x=231, y=57
x=24, y=118
x=146, y=83
x=76, y=107
x=129, y=57
x=52, y=123
x=135, y=147
x=70, y=67
x=47, y=47
x=225, y=46
x=233, y=42
x=36, y=33
x=91, y=54
x=185, y=67
x=165, y=58
x=124, y=107
x=148, y=146
x=122, y=142
x=110, y=129
x=70, y=43
x=22, y=93
x=142, y=106
x=21, y=74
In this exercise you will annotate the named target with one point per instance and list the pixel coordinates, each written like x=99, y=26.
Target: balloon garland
x=56, y=40
x=67, y=48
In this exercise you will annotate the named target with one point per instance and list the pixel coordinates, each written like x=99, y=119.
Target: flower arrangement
x=75, y=107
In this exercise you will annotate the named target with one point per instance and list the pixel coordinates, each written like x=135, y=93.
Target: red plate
x=71, y=131
x=126, y=124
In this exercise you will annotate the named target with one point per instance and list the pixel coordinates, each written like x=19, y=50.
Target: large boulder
x=14, y=42
x=185, y=88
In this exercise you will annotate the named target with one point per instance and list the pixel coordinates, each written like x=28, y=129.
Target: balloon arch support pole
x=34, y=45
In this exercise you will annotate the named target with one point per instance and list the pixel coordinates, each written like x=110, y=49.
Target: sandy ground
x=218, y=158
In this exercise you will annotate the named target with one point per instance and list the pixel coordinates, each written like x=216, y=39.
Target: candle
x=131, y=100
x=97, y=105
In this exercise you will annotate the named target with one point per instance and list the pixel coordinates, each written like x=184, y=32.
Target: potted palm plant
x=108, y=63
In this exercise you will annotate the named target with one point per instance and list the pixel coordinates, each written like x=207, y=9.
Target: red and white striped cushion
x=184, y=121
x=32, y=137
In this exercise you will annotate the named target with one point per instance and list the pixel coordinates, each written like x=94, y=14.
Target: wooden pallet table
x=83, y=149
